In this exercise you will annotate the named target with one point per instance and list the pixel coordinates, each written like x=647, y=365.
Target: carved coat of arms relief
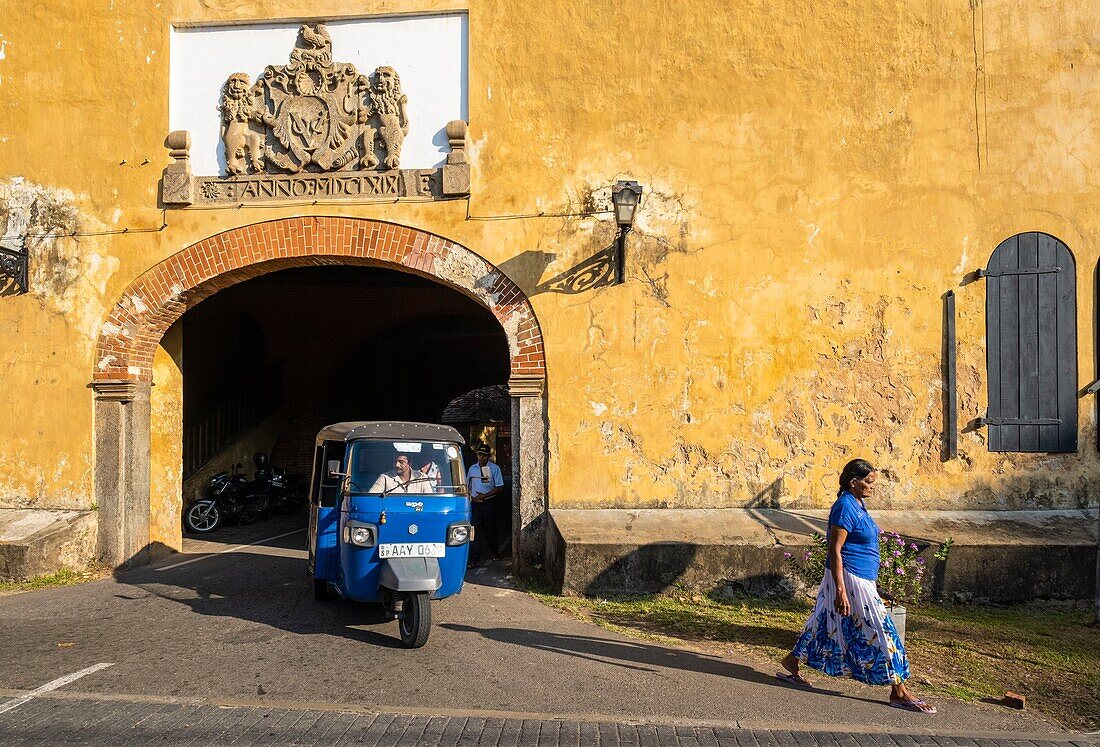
x=314, y=128
x=313, y=114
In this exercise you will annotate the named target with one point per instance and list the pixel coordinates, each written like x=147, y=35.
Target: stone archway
x=129, y=337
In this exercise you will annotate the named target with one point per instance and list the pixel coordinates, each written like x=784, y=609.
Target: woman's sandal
x=795, y=679
x=916, y=706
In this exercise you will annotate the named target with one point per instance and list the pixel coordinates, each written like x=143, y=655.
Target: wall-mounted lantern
x=625, y=196
x=14, y=261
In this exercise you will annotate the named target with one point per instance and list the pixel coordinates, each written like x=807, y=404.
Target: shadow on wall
x=526, y=270
x=648, y=569
x=768, y=497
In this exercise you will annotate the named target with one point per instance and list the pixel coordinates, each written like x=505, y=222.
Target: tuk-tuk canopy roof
x=390, y=430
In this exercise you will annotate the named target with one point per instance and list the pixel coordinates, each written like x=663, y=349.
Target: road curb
x=740, y=725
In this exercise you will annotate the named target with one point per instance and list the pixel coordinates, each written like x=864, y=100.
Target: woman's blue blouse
x=860, y=550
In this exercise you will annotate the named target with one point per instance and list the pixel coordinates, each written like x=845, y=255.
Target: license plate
x=412, y=550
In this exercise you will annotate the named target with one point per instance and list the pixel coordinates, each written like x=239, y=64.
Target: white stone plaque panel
x=429, y=52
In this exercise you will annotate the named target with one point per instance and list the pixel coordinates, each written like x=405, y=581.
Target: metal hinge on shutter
x=983, y=273
x=1017, y=421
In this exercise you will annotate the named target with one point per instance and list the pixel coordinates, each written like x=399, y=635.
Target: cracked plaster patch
x=65, y=276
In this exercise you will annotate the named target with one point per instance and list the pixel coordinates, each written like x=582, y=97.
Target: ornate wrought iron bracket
x=14, y=263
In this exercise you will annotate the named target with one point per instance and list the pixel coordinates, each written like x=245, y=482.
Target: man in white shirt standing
x=485, y=483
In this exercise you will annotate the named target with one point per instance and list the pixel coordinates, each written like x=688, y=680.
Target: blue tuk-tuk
x=389, y=518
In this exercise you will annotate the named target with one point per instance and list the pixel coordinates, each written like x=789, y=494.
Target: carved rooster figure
x=316, y=49
x=391, y=107
x=316, y=37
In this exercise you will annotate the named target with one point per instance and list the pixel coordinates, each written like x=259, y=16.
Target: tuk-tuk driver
x=403, y=478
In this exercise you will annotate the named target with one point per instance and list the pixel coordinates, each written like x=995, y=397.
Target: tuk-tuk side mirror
x=334, y=469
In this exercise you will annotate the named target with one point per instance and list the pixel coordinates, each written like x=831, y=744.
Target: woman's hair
x=856, y=469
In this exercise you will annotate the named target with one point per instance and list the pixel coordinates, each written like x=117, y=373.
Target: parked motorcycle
x=228, y=501
x=272, y=486
x=235, y=499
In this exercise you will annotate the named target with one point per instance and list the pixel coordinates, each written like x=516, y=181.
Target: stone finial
x=177, y=186
x=179, y=144
x=456, y=136
x=456, y=172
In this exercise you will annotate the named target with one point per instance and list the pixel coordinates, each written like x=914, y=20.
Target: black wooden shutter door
x=1031, y=345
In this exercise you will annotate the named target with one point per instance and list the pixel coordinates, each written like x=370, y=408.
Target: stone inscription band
x=405, y=183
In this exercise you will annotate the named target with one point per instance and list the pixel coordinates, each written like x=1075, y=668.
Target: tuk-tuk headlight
x=362, y=535
x=459, y=534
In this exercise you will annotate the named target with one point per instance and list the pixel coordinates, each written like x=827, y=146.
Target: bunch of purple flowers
x=809, y=564
x=901, y=571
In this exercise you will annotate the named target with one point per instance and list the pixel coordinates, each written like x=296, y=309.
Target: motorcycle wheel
x=415, y=622
x=202, y=517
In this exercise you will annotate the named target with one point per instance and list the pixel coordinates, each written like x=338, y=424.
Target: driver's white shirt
x=391, y=482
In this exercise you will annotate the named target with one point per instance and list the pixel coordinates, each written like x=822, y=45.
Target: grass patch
x=1050, y=655
x=63, y=577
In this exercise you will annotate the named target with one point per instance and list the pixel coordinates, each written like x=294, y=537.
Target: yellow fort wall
x=816, y=178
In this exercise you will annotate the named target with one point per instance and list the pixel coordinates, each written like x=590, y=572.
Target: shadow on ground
x=633, y=655
x=260, y=587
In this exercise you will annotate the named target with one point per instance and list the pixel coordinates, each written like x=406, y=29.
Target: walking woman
x=849, y=632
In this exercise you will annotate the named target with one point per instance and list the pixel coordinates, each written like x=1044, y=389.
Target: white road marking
x=59, y=682
x=228, y=549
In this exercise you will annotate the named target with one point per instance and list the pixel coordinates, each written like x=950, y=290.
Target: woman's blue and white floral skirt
x=865, y=645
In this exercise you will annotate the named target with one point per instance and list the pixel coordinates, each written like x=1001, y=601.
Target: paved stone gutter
x=138, y=721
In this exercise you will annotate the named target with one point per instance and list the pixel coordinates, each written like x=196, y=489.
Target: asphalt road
x=241, y=628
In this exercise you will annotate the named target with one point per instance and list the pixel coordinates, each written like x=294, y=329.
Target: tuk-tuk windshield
x=399, y=467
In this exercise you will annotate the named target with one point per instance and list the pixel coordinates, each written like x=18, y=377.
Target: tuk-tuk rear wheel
x=415, y=622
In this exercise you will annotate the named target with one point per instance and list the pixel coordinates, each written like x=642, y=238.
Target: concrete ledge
x=34, y=542
x=997, y=555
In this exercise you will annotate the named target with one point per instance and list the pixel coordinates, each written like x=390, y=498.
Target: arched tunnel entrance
x=269, y=361
x=304, y=322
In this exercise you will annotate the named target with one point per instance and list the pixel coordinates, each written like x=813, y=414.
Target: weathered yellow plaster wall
x=166, y=440
x=816, y=179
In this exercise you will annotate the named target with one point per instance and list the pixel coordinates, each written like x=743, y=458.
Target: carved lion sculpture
x=238, y=132
x=391, y=106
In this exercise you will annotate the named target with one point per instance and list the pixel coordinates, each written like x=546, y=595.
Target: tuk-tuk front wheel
x=415, y=621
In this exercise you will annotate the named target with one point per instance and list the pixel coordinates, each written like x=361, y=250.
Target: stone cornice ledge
x=527, y=385
x=115, y=390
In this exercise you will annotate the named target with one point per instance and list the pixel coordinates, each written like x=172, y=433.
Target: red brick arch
x=161, y=295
